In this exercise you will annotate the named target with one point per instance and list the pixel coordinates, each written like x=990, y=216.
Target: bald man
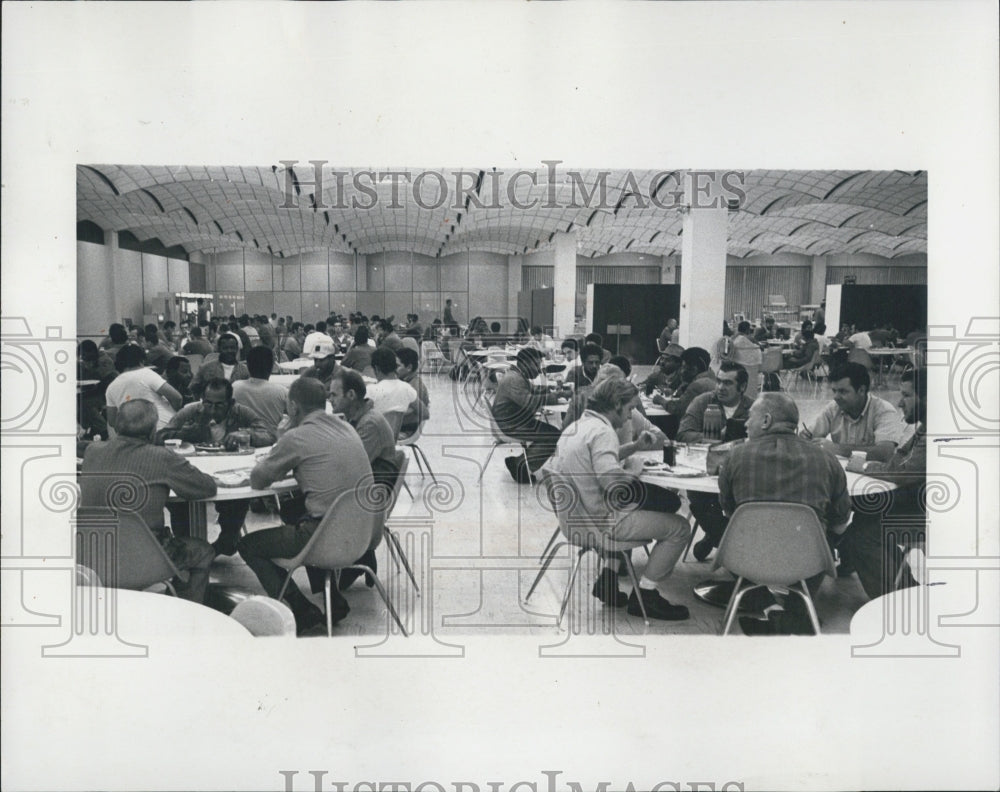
x=775, y=464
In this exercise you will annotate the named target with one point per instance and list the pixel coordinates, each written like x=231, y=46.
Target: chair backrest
x=128, y=557
x=770, y=360
x=395, y=420
x=775, y=544
x=404, y=463
x=429, y=350
x=264, y=616
x=344, y=533
x=85, y=576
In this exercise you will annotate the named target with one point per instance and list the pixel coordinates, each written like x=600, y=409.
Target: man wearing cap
x=696, y=378
x=322, y=349
x=666, y=376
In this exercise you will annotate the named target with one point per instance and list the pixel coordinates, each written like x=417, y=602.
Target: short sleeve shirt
x=140, y=384
x=879, y=422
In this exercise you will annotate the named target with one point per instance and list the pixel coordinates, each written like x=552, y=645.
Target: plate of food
x=677, y=471
x=236, y=477
x=209, y=448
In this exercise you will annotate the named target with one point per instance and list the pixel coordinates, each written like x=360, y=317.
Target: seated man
x=327, y=459
x=570, y=349
x=666, y=375
x=598, y=340
x=348, y=396
x=514, y=408
x=591, y=358
x=135, y=381
x=131, y=453
x=197, y=345
x=873, y=539
x=729, y=396
x=388, y=336
x=744, y=351
x=117, y=338
x=359, y=356
x=856, y=420
x=409, y=372
x=94, y=364
x=804, y=354
x=390, y=396
x=588, y=457
x=765, y=332
x=267, y=399
x=323, y=351
x=178, y=374
x=213, y=421
x=224, y=365
x=696, y=378
x=776, y=465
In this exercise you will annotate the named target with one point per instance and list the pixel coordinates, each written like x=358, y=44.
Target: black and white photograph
x=521, y=429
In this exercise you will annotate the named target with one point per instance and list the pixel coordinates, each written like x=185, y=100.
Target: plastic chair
x=431, y=354
x=85, y=576
x=342, y=536
x=771, y=363
x=126, y=556
x=792, y=375
x=395, y=420
x=562, y=494
x=410, y=441
x=773, y=544
x=499, y=439
x=264, y=616
x=391, y=538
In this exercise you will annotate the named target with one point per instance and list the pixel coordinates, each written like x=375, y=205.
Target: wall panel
x=398, y=304
x=342, y=277
x=288, y=304
x=315, y=277
x=878, y=276
x=748, y=288
x=154, y=280
x=259, y=303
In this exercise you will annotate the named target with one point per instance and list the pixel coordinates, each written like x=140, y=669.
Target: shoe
x=752, y=626
x=348, y=576
x=607, y=591
x=226, y=543
x=656, y=606
x=308, y=618
x=702, y=549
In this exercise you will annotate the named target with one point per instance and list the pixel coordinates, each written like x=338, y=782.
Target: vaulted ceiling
x=440, y=211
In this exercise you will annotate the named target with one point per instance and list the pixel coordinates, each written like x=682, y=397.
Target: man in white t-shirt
x=389, y=394
x=860, y=340
x=137, y=382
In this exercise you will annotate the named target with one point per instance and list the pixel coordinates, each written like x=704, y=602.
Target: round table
x=215, y=463
x=295, y=366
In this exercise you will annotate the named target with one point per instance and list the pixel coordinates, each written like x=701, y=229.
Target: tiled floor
x=475, y=546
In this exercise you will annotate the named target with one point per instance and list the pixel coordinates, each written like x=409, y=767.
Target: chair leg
x=486, y=464
x=393, y=541
x=552, y=540
x=328, y=602
x=635, y=586
x=569, y=586
x=427, y=462
x=385, y=597
x=170, y=588
x=734, y=605
x=416, y=456
x=813, y=616
x=408, y=491
x=690, y=544
x=541, y=572
x=284, y=585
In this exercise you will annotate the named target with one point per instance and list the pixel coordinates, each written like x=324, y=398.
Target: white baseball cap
x=318, y=346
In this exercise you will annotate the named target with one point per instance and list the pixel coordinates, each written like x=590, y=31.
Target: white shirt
x=391, y=395
x=140, y=384
x=861, y=340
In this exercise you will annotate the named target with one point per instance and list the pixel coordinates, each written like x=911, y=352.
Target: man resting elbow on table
x=214, y=421
x=855, y=420
x=612, y=501
x=327, y=459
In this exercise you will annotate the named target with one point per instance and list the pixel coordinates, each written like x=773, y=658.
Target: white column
x=668, y=269
x=703, y=259
x=514, y=264
x=817, y=285
x=564, y=283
